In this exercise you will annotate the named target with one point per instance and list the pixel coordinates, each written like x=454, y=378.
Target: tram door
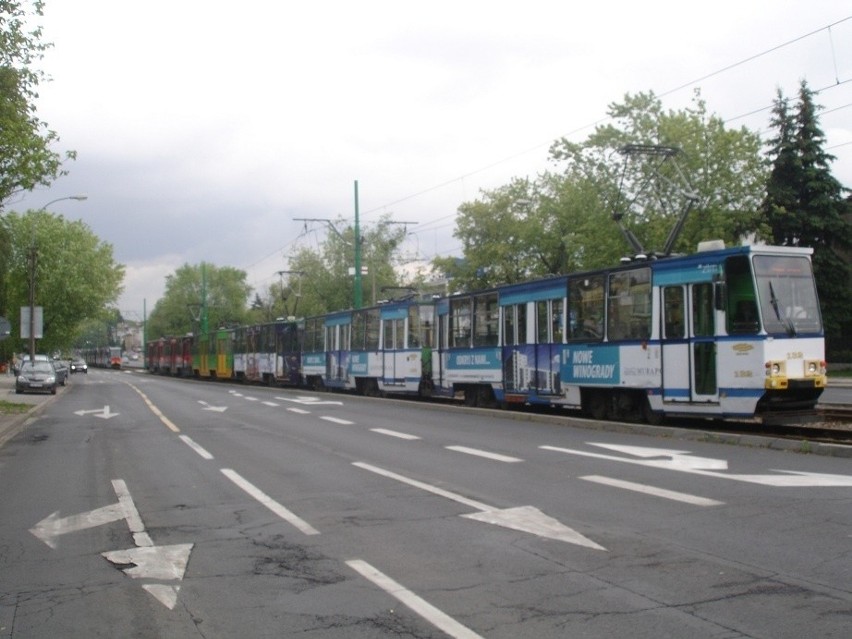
x=689, y=344
x=703, y=315
x=337, y=345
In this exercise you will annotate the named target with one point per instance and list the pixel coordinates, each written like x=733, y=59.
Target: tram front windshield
x=788, y=297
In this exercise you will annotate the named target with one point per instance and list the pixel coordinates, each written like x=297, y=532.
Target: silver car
x=38, y=376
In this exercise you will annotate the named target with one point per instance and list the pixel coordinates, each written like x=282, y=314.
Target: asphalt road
x=141, y=506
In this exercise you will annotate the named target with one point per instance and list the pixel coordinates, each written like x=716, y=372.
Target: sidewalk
x=11, y=425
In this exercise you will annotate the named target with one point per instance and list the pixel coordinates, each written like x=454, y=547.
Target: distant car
x=78, y=365
x=37, y=376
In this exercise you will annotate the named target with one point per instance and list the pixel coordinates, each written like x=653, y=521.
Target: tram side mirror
x=720, y=295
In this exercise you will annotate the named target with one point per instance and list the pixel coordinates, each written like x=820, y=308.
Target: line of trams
x=722, y=333
x=102, y=356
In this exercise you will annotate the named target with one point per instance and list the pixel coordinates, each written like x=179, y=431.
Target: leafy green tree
x=804, y=205
x=563, y=220
x=26, y=156
x=722, y=168
x=325, y=283
x=76, y=276
x=222, y=289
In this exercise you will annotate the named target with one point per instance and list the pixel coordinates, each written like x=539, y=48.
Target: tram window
x=460, y=322
x=703, y=320
x=359, y=330
x=674, y=312
x=586, y=308
x=557, y=315
x=742, y=316
x=371, y=341
x=394, y=333
x=629, y=305
x=522, y=324
x=508, y=325
x=425, y=323
x=312, y=337
x=542, y=320
x=485, y=320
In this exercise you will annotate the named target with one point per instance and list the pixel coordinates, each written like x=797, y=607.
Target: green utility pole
x=204, y=322
x=358, y=293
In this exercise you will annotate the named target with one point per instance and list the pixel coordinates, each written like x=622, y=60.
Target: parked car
x=36, y=375
x=62, y=372
x=78, y=365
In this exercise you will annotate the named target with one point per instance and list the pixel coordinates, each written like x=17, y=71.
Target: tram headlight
x=814, y=368
x=776, y=375
x=774, y=369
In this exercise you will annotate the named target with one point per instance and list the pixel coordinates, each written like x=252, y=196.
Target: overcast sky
x=203, y=127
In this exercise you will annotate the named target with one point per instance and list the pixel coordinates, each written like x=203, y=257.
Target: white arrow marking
x=530, y=519
x=166, y=595
x=524, y=518
x=152, y=562
x=103, y=413
x=792, y=479
x=674, y=458
x=218, y=409
x=52, y=526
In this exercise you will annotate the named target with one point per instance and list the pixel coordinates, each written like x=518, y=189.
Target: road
x=146, y=507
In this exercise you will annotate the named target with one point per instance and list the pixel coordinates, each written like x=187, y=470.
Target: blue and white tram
x=375, y=350
x=723, y=333
x=269, y=353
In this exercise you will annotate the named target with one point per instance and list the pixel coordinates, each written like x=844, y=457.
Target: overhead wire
x=591, y=125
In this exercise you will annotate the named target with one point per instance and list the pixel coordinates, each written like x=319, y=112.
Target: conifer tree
x=805, y=206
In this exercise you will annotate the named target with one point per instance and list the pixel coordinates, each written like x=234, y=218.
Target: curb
x=11, y=425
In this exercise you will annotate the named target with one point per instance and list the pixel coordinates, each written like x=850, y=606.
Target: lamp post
x=32, y=258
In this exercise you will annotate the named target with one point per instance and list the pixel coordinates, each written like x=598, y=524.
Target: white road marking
x=217, y=409
x=524, y=518
x=312, y=401
x=336, y=420
x=300, y=411
x=270, y=503
x=791, y=479
x=198, y=449
x=483, y=453
x=417, y=604
x=651, y=490
x=250, y=399
x=393, y=433
x=476, y=505
x=272, y=404
x=155, y=410
x=52, y=526
x=134, y=520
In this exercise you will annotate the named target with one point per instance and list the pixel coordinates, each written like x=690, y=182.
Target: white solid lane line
x=270, y=503
x=420, y=606
x=651, y=490
x=484, y=453
x=198, y=449
x=394, y=433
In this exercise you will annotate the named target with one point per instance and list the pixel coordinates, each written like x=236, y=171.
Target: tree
x=320, y=282
x=563, y=220
x=179, y=311
x=76, y=277
x=26, y=158
x=804, y=205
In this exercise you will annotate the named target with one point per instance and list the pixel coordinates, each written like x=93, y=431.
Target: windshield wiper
x=785, y=321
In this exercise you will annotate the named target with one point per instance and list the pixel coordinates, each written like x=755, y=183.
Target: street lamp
x=32, y=268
